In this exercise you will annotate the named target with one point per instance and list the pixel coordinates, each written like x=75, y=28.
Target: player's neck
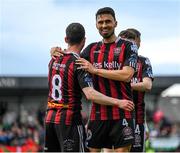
x=74, y=49
x=110, y=39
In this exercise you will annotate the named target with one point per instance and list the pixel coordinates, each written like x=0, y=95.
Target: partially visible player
x=64, y=130
x=141, y=83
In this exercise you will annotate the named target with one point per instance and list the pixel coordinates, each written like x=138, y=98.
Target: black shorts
x=63, y=138
x=110, y=133
x=139, y=141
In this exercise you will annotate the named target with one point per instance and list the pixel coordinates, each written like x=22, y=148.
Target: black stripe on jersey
x=106, y=81
x=96, y=80
x=63, y=115
x=105, y=59
x=53, y=115
x=65, y=80
x=118, y=84
x=118, y=89
x=128, y=90
x=65, y=88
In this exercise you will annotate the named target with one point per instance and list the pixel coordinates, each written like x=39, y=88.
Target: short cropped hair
x=138, y=34
x=127, y=34
x=75, y=33
x=106, y=10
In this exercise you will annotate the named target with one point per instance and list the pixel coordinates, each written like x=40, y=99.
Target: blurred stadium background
x=29, y=28
x=23, y=102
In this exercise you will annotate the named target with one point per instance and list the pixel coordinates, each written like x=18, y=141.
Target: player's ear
x=66, y=39
x=83, y=42
x=116, y=23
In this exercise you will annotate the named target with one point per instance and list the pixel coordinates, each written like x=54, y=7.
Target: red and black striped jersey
x=143, y=69
x=65, y=82
x=111, y=56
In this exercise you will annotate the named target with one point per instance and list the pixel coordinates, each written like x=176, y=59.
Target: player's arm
x=125, y=74
x=120, y=75
x=145, y=85
x=86, y=84
x=147, y=74
x=99, y=98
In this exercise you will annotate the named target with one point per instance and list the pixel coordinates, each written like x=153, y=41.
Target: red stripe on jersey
x=103, y=108
x=58, y=116
x=71, y=83
x=69, y=115
x=49, y=115
x=93, y=110
x=103, y=112
x=64, y=61
x=140, y=94
x=114, y=94
x=92, y=53
x=124, y=96
x=111, y=55
x=123, y=88
x=139, y=75
x=140, y=97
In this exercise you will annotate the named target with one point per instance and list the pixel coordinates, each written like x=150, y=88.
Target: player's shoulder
x=144, y=59
x=87, y=49
x=94, y=44
x=130, y=45
x=73, y=55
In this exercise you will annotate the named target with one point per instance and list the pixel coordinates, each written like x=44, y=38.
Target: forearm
x=118, y=75
x=138, y=86
x=144, y=86
x=99, y=98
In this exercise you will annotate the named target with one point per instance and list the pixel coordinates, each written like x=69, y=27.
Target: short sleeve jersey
x=66, y=82
x=112, y=56
x=144, y=69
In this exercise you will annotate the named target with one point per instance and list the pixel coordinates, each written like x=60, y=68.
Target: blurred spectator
x=23, y=134
x=162, y=125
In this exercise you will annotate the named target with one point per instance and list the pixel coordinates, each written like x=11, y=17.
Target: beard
x=106, y=36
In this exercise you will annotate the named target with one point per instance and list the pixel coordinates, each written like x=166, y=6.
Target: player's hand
x=126, y=105
x=56, y=52
x=86, y=65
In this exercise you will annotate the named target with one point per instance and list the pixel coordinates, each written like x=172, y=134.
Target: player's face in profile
x=106, y=24
x=138, y=41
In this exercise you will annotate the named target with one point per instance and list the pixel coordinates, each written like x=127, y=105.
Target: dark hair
x=106, y=10
x=138, y=34
x=75, y=33
x=127, y=34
